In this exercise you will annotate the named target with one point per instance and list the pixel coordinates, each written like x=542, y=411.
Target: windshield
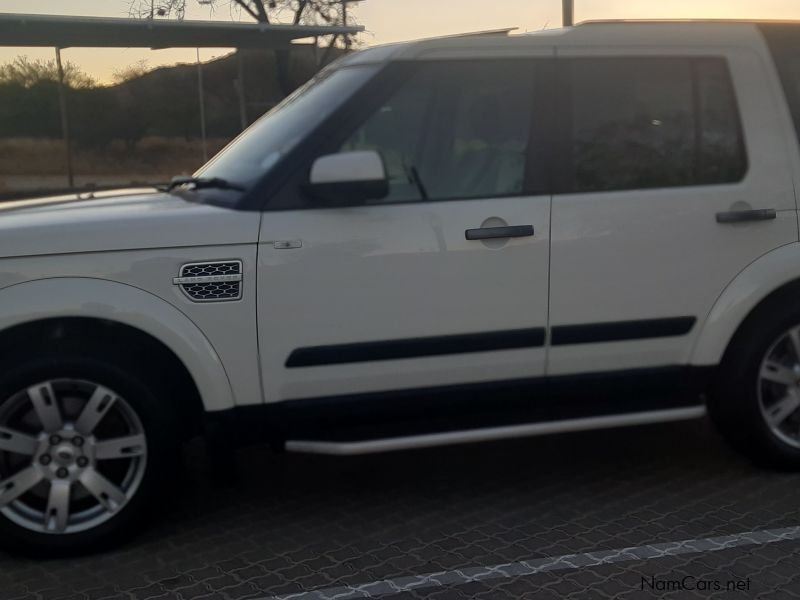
x=253, y=153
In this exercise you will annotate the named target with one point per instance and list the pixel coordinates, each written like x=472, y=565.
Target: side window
x=721, y=149
x=456, y=130
x=638, y=123
x=396, y=131
x=784, y=43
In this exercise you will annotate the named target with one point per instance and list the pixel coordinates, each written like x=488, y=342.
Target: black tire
x=734, y=404
x=143, y=393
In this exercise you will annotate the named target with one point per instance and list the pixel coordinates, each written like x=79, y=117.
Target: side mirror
x=348, y=178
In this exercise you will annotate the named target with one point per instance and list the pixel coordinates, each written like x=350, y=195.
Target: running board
x=469, y=436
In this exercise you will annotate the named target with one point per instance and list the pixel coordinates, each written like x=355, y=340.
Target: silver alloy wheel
x=72, y=454
x=779, y=387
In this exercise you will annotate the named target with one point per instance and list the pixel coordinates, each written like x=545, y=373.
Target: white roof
x=685, y=34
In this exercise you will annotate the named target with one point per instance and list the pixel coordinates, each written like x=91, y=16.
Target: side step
x=493, y=433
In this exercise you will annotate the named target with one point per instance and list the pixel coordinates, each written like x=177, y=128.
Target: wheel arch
x=771, y=277
x=119, y=313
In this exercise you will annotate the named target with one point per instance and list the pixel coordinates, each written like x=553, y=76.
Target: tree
x=132, y=71
x=309, y=12
x=27, y=73
x=294, y=12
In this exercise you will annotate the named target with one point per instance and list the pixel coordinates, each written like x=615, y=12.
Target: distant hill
x=159, y=103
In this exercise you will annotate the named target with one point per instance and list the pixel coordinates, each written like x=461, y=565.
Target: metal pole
x=347, y=41
x=568, y=12
x=202, y=105
x=240, y=89
x=62, y=104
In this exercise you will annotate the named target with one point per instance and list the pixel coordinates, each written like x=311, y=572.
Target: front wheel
x=82, y=449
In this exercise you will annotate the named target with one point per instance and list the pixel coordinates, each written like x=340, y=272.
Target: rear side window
x=453, y=130
x=641, y=123
x=784, y=43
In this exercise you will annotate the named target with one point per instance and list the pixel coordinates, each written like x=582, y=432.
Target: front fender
x=99, y=298
x=752, y=285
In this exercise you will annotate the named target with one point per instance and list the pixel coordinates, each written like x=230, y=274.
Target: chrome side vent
x=217, y=281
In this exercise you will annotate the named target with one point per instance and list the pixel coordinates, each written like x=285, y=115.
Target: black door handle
x=740, y=216
x=485, y=233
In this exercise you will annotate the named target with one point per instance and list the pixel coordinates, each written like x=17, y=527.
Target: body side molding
x=489, y=341
x=592, y=333
x=416, y=347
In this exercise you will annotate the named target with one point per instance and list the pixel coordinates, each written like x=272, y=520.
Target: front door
x=409, y=292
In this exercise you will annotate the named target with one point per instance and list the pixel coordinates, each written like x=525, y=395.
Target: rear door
x=406, y=292
x=667, y=157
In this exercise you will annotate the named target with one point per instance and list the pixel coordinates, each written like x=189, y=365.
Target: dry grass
x=154, y=159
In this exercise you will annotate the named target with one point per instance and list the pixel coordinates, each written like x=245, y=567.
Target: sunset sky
x=392, y=20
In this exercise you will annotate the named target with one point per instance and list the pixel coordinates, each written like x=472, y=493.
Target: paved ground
x=296, y=524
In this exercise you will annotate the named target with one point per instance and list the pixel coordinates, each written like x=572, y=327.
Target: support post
x=568, y=12
x=347, y=41
x=202, y=105
x=62, y=105
x=240, y=89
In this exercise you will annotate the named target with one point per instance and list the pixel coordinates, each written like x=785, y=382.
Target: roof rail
x=486, y=33
x=684, y=21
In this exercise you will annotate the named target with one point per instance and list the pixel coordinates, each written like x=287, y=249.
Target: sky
x=391, y=20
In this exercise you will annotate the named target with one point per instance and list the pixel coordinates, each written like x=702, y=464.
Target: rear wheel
x=756, y=397
x=83, y=446
x=779, y=388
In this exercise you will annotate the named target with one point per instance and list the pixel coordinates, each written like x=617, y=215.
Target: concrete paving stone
x=175, y=583
x=250, y=572
x=67, y=596
x=7, y=592
x=106, y=592
x=159, y=573
x=268, y=583
x=145, y=593
x=165, y=596
x=51, y=593
x=242, y=591
x=194, y=591
x=221, y=581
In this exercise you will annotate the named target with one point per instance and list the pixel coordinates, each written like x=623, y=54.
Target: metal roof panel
x=112, y=32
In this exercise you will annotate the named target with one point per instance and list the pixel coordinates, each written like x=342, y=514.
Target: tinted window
x=640, y=123
x=251, y=155
x=784, y=42
x=462, y=128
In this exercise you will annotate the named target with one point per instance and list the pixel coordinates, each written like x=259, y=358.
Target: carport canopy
x=111, y=32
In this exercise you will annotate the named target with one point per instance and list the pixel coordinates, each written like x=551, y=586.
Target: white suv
x=438, y=242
